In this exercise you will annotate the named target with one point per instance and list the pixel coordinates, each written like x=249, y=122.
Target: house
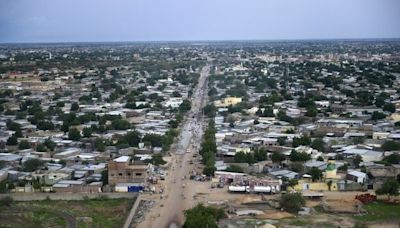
x=315, y=164
x=67, y=153
x=285, y=173
x=356, y=176
x=366, y=154
x=174, y=102
x=380, y=135
x=228, y=101
x=122, y=170
x=229, y=177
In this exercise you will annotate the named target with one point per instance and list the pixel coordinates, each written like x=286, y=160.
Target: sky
x=176, y=20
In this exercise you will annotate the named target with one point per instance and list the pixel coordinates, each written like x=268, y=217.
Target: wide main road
x=169, y=212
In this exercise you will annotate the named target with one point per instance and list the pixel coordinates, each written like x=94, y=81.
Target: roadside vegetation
x=86, y=213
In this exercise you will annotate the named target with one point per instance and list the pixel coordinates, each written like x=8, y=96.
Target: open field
x=47, y=213
x=380, y=211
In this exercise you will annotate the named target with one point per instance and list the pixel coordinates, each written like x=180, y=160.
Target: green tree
x=176, y=94
x=12, y=140
x=87, y=132
x=315, y=173
x=155, y=140
x=120, y=124
x=392, y=159
x=74, y=107
x=99, y=144
x=390, y=107
x=297, y=167
x=378, y=115
x=277, y=157
x=201, y=216
x=209, y=170
x=32, y=164
x=104, y=177
x=357, y=160
x=242, y=157
x=304, y=140
x=311, y=111
x=318, y=144
x=299, y=156
x=13, y=126
x=293, y=182
x=260, y=154
x=41, y=147
x=292, y=202
x=210, y=110
x=282, y=141
x=133, y=138
x=185, y=106
x=268, y=112
x=390, y=146
x=235, y=169
x=6, y=201
x=74, y=134
x=157, y=159
x=60, y=104
x=329, y=183
x=389, y=188
x=24, y=144
x=50, y=144
x=343, y=168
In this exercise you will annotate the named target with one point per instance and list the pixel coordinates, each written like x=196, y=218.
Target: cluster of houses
x=344, y=139
x=37, y=102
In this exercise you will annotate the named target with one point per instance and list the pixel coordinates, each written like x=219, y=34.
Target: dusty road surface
x=177, y=197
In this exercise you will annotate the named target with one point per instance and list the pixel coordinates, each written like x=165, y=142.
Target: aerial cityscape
x=173, y=129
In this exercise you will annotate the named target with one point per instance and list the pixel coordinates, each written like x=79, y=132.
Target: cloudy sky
x=165, y=20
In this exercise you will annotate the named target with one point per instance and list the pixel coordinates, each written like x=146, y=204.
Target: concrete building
x=228, y=101
x=122, y=170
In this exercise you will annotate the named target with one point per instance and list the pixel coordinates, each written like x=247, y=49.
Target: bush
x=292, y=202
x=390, y=145
x=235, y=169
x=6, y=201
x=201, y=216
x=32, y=165
x=24, y=145
x=389, y=188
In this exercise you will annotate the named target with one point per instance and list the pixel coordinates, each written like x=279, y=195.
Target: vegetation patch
x=100, y=212
x=380, y=211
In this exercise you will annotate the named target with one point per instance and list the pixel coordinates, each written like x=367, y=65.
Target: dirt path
x=169, y=210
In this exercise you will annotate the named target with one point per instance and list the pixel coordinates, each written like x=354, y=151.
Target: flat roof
x=122, y=159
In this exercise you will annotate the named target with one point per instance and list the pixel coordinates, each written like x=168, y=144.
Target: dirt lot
x=341, y=210
x=86, y=213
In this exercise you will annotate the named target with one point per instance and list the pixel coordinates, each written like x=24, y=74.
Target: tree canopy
x=292, y=202
x=32, y=164
x=202, y=216
x=389, y=188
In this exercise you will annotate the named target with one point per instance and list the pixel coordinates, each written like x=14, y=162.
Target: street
x=177, y=197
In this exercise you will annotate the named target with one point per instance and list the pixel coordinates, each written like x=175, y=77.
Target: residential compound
x=313, y=117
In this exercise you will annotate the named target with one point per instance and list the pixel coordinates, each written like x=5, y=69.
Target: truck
x=243, y=189
x=262, y=189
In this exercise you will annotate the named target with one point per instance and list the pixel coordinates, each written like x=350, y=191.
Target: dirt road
x=177, y=197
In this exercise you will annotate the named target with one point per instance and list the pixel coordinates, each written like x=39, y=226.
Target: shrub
x=292, y=202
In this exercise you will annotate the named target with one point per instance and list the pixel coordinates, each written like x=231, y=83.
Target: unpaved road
x=177, y=197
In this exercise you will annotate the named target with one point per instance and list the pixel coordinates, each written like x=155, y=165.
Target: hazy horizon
x=45, y=21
